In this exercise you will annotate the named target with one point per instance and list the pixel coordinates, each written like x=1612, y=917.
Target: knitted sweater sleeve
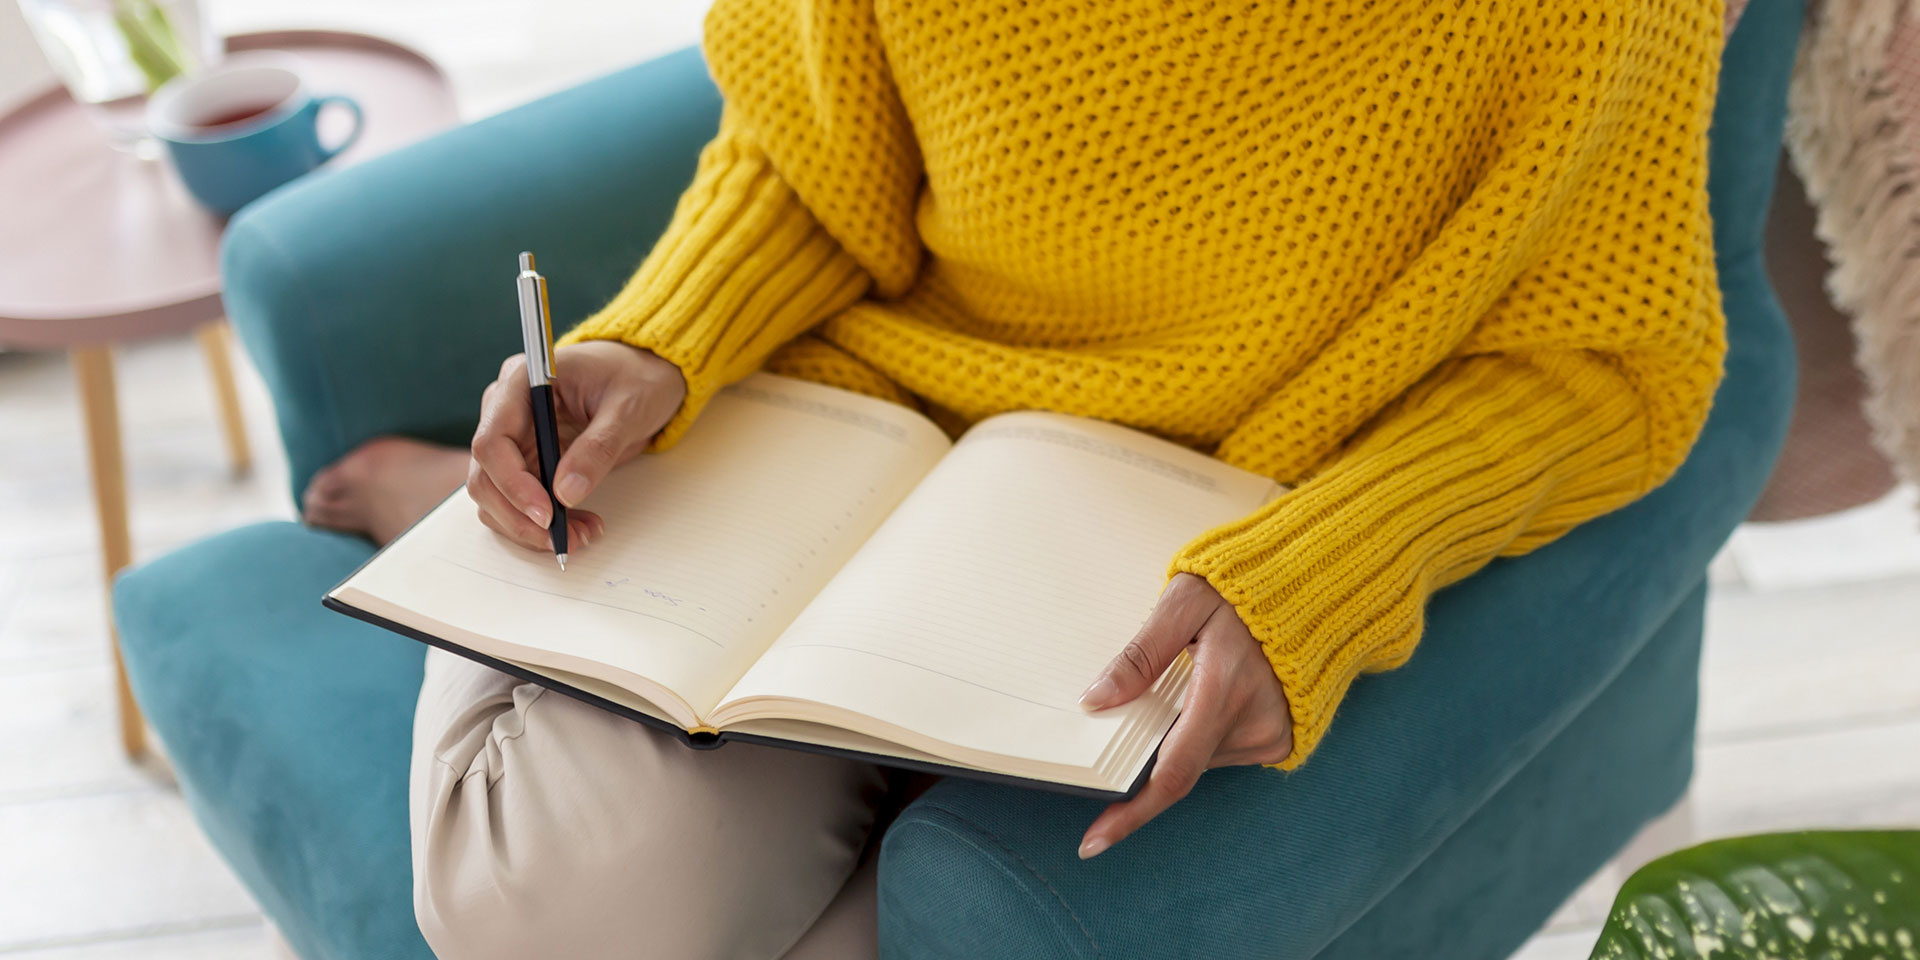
x=1579, y=380
x=800, y=206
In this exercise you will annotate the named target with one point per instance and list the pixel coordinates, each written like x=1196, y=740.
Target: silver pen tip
x=526, y=261
x=562, y=558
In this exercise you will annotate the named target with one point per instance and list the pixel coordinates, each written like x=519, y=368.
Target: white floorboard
x=1560, y=945
x=249, y=939
x=76, y=749
x=119, y=863
x=1789, y=662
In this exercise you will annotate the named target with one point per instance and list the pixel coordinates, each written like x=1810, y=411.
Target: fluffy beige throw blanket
x=1853, y=128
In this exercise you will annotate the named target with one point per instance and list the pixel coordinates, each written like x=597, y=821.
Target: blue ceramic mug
x=240, y=129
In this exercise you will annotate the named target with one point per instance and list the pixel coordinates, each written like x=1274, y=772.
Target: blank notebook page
x=986, y=604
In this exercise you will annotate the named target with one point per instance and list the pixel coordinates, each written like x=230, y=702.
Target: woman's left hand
x=1235, y=713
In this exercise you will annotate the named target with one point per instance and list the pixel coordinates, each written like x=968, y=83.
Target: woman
x=1443, y=268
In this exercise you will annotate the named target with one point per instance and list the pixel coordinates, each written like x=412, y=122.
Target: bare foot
x=382, y=486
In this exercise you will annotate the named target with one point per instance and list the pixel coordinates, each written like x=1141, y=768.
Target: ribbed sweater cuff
x=743, y=268
x=1333, y=577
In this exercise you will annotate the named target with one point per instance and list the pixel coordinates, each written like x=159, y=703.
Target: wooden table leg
x=216, y=341
x=93, y=368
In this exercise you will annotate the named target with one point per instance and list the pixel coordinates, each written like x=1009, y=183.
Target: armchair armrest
x=379, y=299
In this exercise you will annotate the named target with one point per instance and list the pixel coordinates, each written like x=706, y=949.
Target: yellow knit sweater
x=1444, y=265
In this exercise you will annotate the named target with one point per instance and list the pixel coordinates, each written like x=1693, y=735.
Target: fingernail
x=540, y=514
x=1093, y=848
x=571, y=489
x=1096, y=697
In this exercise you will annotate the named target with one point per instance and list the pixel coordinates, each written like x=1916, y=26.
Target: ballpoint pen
x=536, y=334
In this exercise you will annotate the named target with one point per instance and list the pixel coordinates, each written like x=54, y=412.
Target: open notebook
x=819, y=569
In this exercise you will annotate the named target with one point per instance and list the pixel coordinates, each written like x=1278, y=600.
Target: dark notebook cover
x=711, y=741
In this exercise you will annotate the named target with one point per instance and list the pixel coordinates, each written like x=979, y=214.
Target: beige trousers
x=546, y=827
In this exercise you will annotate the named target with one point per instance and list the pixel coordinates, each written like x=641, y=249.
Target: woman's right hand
x=609, y=398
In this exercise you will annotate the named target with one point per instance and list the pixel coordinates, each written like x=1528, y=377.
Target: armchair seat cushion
x=289, y=727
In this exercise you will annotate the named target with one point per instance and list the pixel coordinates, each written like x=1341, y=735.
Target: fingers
x=605, y=442
x=1236, y=712
x=500, y=445
x=583, y=526
x=499, y=515
x=624, y=396
x=505, y=465
x=1260, y=726
x=612, y=399
x=1184, y=755
x=1184, y=608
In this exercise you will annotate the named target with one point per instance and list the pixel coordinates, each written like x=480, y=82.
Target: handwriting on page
x=623, y=603
x=651, y=593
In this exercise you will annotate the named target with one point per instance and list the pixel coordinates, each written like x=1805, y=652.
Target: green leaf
x=1832, y=895
x=151, y=42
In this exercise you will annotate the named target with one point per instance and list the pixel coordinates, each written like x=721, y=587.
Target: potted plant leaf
x=1820, y=895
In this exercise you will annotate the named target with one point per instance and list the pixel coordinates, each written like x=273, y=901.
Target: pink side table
x=99, y=246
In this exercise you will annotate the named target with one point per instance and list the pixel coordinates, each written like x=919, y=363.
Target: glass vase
x=112, y=53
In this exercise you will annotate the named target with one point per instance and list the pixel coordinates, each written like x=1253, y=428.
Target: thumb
x=612, y=436
x=1185, y=606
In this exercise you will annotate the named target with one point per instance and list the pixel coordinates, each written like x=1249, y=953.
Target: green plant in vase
x=152, y=43
x=1827, y=895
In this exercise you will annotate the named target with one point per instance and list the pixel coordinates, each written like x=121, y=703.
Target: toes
x=329, y=516
x=334, y=498
x=325, y=480
x=326, y=489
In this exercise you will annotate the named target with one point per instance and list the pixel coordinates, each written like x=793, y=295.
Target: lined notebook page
x=983, y=607
x=711, y=548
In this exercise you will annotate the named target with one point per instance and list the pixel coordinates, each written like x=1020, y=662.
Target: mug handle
x=359, y=123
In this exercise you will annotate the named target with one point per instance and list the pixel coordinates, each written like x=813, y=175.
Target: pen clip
x=536, y=323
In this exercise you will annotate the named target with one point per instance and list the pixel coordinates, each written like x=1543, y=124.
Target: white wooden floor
x=1811, y=692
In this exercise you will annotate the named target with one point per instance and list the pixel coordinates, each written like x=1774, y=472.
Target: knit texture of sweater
x=1442, y=266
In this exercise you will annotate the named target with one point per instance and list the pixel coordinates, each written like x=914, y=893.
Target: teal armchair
x=1548, y=714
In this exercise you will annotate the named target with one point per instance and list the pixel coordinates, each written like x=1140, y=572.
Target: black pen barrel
x=546, y=437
